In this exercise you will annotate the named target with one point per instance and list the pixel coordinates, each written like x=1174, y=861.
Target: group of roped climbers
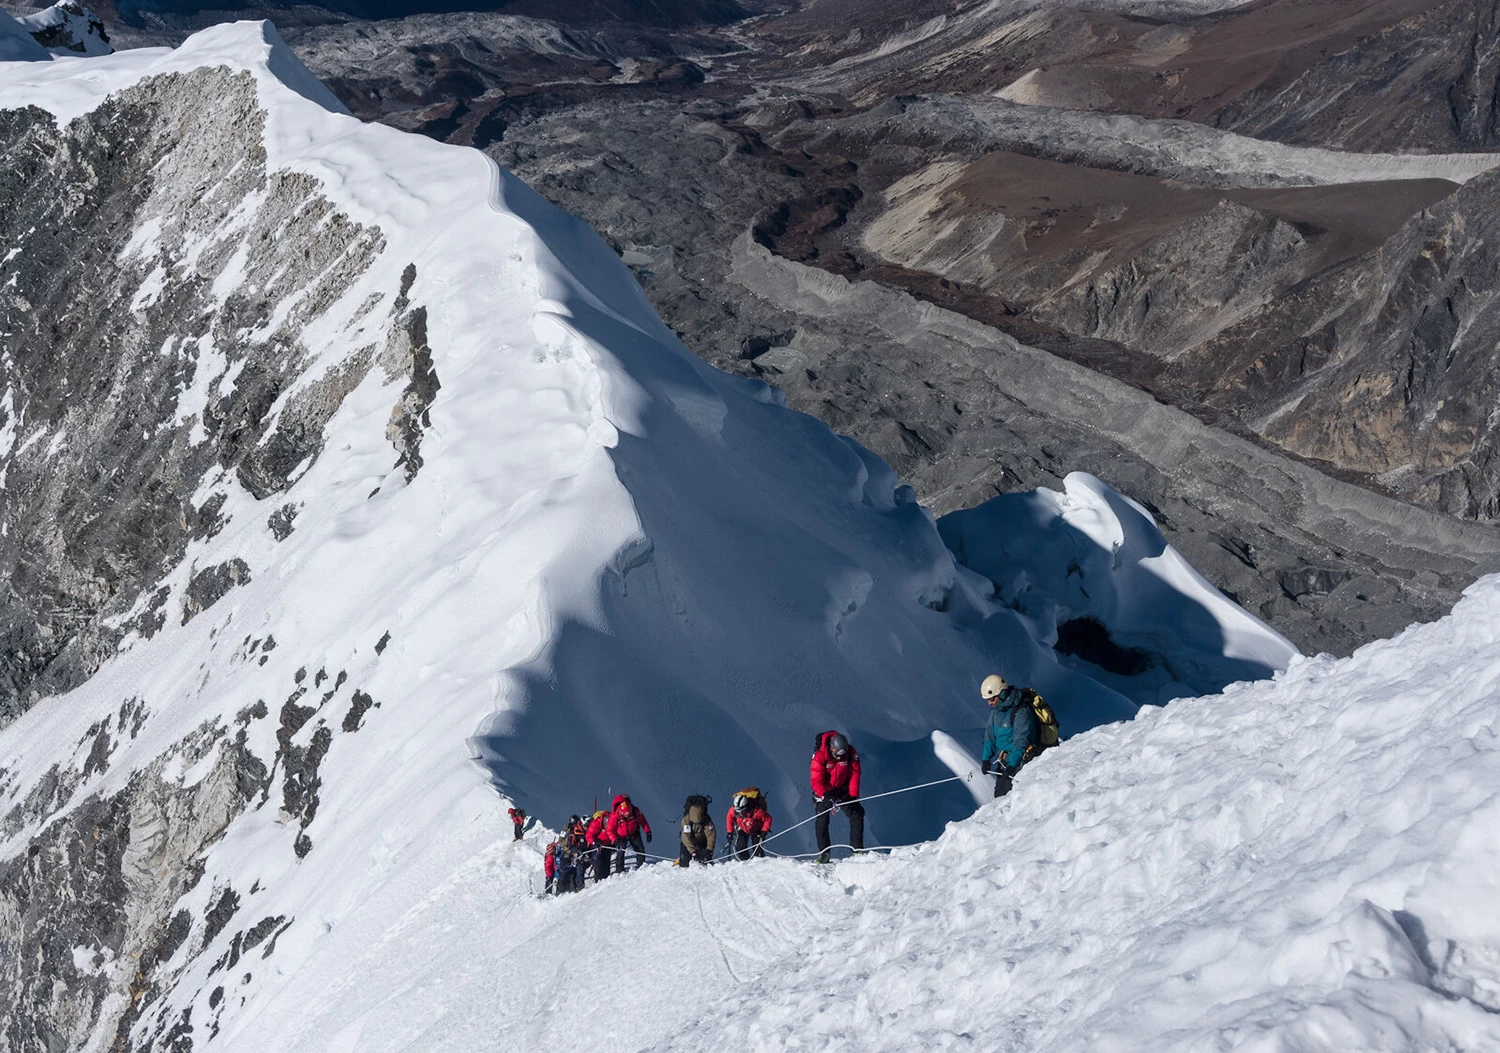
x=593, y=847
x=1020, y=726
x=746, y=825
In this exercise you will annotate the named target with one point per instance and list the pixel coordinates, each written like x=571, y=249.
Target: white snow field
x=619, y=569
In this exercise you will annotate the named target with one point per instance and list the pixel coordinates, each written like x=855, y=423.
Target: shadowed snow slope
x=519, y=520
x=16, y=42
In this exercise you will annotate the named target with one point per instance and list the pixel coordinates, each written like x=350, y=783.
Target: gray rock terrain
x=117, y=413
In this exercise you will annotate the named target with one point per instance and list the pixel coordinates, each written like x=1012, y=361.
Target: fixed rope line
x=872, y=797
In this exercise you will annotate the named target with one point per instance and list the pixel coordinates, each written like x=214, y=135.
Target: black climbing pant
x=1003, y=782
x=856, y=813
x=640, y=852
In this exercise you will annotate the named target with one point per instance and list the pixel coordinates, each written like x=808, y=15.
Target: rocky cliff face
x=149, y=252
x=68, y=28
x=158, y=288
x=1386, y=364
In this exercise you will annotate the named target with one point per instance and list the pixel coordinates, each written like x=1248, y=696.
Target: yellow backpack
x=747, y=799
x=1046, y=721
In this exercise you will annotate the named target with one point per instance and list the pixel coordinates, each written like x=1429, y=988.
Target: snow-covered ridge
x=533, y=530
x=1090, y=556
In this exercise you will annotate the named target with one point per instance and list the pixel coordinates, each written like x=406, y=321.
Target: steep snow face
x=1091, y=572
x=439, y=485
x=1307, y=864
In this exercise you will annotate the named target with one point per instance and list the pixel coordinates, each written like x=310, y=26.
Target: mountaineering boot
x=822, y=856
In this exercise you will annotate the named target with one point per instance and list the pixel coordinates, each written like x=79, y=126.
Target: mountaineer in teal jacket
x=1011, y=731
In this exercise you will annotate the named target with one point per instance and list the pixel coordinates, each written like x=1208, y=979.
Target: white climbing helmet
x=992, y=686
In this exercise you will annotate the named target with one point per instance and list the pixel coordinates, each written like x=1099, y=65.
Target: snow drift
x=494, y=510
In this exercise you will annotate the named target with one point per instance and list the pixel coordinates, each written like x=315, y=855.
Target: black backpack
x=697, y=800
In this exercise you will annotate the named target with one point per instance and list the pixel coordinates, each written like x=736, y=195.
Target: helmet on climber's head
x=838, y=746
x=741, y=803
x=991, y=688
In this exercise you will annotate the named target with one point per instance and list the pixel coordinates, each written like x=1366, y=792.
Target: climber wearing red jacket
x=599, y=844
x=747, y=823
x=834, y=774
x=626, y=824
x=518, y=816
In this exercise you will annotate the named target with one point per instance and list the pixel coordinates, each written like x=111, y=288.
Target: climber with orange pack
x=746, y=824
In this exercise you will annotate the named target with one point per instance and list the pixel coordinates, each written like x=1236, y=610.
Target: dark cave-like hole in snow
x=1088, y=638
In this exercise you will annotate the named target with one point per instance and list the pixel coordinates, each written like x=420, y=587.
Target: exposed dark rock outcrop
x=68, y=28
x=1386, y=365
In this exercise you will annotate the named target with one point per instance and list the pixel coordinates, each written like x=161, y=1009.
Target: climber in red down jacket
x=834, y=774
x=626, y=824
x=600, y=848
x=747, y=823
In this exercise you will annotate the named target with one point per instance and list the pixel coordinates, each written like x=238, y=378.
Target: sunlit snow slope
x=596, y=565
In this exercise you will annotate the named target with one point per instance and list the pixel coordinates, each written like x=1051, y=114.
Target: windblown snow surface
x=617, y=569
